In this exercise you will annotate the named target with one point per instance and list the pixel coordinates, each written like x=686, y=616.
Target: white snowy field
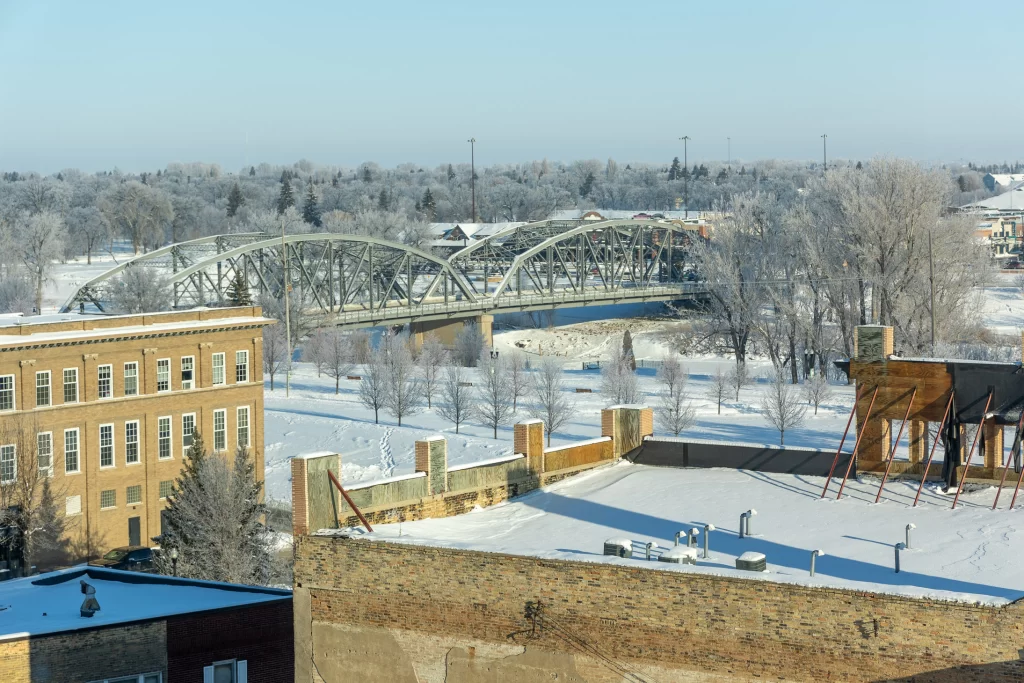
x=970, y=554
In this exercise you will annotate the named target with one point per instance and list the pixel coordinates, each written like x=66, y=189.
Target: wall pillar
x=528, y=439
x=432, y=458
x=627, y=426
x=26, y=393
x=918, y=441
x=993, y=445
x=872, y=344
x=88, y=383
x=315, y=501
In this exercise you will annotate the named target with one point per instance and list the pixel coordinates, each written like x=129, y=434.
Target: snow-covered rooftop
x=51, y=603
x=1011, y=200
x=21, y=339
x=971, y=554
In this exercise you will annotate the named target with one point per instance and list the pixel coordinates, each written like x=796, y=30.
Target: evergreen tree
x=367, y=175
x=286, y=198
x=252, y=171
x=451, y=173
x=673, y=170
x=235, y=200
x=334, y=182
x=310, y=210
x=238, y=291
x=383, y=201
x=429, y=204
x=860, y=166
x=627, y=350
x=588, y=185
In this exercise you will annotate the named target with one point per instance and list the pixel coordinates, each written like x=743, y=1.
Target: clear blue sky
x=138, y=84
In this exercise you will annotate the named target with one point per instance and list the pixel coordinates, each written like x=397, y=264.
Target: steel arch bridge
x=356, y=281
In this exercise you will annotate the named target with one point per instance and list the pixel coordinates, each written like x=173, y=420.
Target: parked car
x=132, y=558
x=1013, y=264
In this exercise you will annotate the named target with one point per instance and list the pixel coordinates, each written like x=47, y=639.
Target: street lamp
x=824, y=151
x=174, y=561
x=472, y=172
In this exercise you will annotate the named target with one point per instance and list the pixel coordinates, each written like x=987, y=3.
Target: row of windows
x=105, y=379
x=108, y=497
x=108, y=448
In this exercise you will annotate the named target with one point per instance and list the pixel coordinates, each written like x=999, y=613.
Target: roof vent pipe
x=678, y=535
x=814, y=555
x=708, y=528
x=745, y=522
x=89, y=606
x=899, y=547
x=651, y=545
x=691, y=539
x=909, y=527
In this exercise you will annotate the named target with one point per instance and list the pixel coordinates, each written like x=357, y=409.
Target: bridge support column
x=447, y=330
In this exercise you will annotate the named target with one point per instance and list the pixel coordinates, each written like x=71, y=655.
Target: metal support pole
x=815, y=554
x=472, y=172
x=856, y=445
x=337, y=484
x=899, y=547
x=708, y=528
x=970, y=454
x=892, y=453
x=835, y=460
x=1020, y=478
x=909, y=527
x=287, y=316
x=1013, y=456
x=935, y=442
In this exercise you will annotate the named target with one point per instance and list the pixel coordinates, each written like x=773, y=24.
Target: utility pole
x=287, y=316
x=931, y=286
x=824, y=151
x=472, y=172
x=686, y=179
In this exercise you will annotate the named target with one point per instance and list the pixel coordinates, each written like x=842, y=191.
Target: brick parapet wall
x=300, y=500
x=677, y=620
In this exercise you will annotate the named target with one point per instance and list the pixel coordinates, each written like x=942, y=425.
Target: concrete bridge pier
x=447, y=330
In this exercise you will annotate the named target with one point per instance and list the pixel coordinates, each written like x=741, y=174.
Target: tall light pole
x=686, y=179
x=729, y=162
x=824, y=151
x=472, y=172
x=287, y=316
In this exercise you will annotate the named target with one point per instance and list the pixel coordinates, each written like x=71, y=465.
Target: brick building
x=105, y=407
x=148, y=629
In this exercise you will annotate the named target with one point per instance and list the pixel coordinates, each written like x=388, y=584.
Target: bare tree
x=672, y=374
x=719, y=387
x=494, y=396
x=817, y=390
x=518, y=377
x=337, y=355
x=16, y=293
x=141, y=290
x=314, y=350
x=469, y=343
x=456, y=403
x=27, y=493
x=1018, y=282
x=138, y=211
x=87, y=229
x=676, y=412
x=432, y=360
x=781, y=405
x=553, y=405
x=618, y=380
x=402, y=391
x=373, y=389
x=38, y=242
x=738, y=377
x=275, y=351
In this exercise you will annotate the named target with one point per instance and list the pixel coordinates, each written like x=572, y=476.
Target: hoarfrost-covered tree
x=373, y=388
x=553, y=405
x=313, y=350
x=336, y=353
x=456, y=404
x=238, y=291
x=235, y=200
x=469, y=344
x=738, y=377
x=494, y=393
x=781, y=405
x=275, y=351
x=137, y=211
x=672, y=374
x=433, y=358
x=618, y=379
x=627, y=350
x=676, y=411
x=16, y=293
x=39, y=240
x=214, y=519
x=402, y=388
x=87, y=229
x=518, y=377
x=718, y=388
x=141, y=290
x=817, y=390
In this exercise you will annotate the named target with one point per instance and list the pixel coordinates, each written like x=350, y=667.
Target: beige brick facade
x=98, y=355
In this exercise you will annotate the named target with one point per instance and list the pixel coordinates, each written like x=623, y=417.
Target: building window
x=106, y=446
x=108, y=498
x=44, y=453
x=133, y=495
x=8, y=464
x=188, y=427
x=71, y=385
x=163, y=428
x=71, y=451
x=220, y=430
x=42, y=388
x=104, y=381
x=166, y=488
x=232, y=671
x=72, y=506
x=6, y=392
x=131, y=379
x=188, y=364
x=131, y=442
x=163, y=374
x=243, y=426
x=241, y=366
x=218, y=369
x=141, y=678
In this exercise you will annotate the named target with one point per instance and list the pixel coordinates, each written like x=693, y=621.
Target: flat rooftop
x=51, y=602
x=972, y=554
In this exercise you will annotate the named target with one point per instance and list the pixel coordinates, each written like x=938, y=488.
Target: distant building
x=148, y=629
x=1011, y=201
x=105, y=407
x=997, y=181
x=1002, y=233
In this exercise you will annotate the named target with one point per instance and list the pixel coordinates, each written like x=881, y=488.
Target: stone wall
x=402, y=613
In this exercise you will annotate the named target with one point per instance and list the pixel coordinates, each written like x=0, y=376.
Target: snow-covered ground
x=970, y=554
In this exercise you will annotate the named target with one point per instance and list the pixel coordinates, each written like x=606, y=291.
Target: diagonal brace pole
x=1013, y=456
x=334, y=480
x=856, y=445
x=935, y=442
x=970, y=454
x=892, y=453
x=835, y=460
